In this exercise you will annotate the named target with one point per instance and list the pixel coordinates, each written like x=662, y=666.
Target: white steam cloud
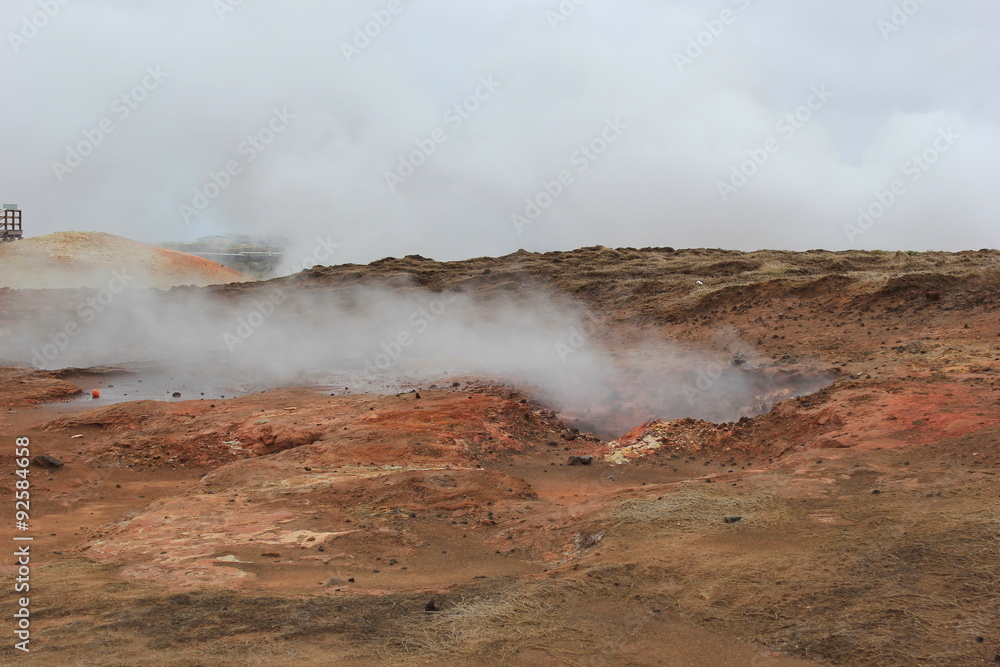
x=373, y=339
x=399, y=127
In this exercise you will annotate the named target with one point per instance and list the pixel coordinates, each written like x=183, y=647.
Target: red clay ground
x=294, y=527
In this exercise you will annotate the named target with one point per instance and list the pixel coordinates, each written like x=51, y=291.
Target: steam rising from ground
x=193, y=98
x=374, y=339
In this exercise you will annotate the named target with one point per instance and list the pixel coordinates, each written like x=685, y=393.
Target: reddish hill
x=95, y=259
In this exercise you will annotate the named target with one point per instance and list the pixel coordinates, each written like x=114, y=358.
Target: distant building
x=10, y=223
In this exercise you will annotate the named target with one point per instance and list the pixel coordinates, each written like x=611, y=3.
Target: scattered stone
x=47, y=461
x=176, y=394
x=733, y=519
x=432, y=606
x=580, y=460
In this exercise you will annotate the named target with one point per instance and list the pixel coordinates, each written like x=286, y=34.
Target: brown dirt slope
x=658, y=285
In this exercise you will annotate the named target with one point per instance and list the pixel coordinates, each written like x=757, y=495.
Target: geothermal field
x=608, y=456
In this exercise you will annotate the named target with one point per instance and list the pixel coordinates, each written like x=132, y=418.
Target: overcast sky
x=738, y=124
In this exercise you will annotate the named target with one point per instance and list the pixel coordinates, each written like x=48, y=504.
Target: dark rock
x=733, y=519
x=47, y=461
x=432, y=606
x=176, y=394
x=580, y=460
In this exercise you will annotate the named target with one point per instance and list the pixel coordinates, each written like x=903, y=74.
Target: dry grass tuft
x=496, y=627
x=692, y=510
x=912, y=580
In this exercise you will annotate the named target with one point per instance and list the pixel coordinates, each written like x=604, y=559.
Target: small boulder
x=580, y=460
x=47, y=461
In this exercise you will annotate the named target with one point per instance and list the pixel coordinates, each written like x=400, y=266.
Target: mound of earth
x=24, y=387
x=98, y=261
